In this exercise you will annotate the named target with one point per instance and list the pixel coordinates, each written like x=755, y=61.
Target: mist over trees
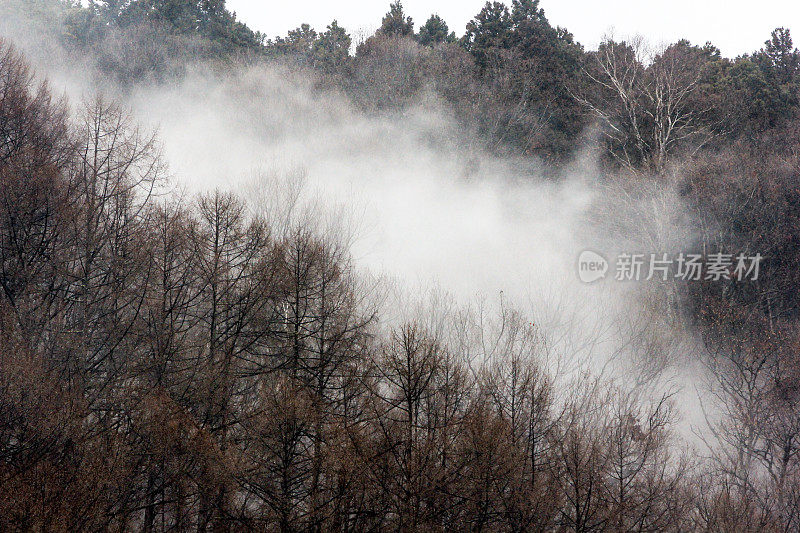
x=170, y=362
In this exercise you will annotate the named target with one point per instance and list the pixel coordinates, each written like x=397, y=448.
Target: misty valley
x=416, y=278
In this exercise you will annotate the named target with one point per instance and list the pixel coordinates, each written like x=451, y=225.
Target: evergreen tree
x=761, y=91
x=395, y=22
x=300, y=40
x=332, y=48
x=526, y=10
x=435, y=31
x=209, y=18
x=489, y=30
x=782, y=58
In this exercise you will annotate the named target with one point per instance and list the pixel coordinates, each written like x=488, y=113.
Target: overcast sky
x=735, y=26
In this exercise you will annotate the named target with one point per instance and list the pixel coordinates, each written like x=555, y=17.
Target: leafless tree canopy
x=174, y=363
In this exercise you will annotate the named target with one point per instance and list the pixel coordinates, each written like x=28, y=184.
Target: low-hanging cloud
x=424, y=202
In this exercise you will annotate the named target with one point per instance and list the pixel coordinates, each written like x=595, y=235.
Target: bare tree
x=648, y=103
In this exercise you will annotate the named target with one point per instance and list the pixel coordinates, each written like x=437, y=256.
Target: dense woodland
x=172, y=363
